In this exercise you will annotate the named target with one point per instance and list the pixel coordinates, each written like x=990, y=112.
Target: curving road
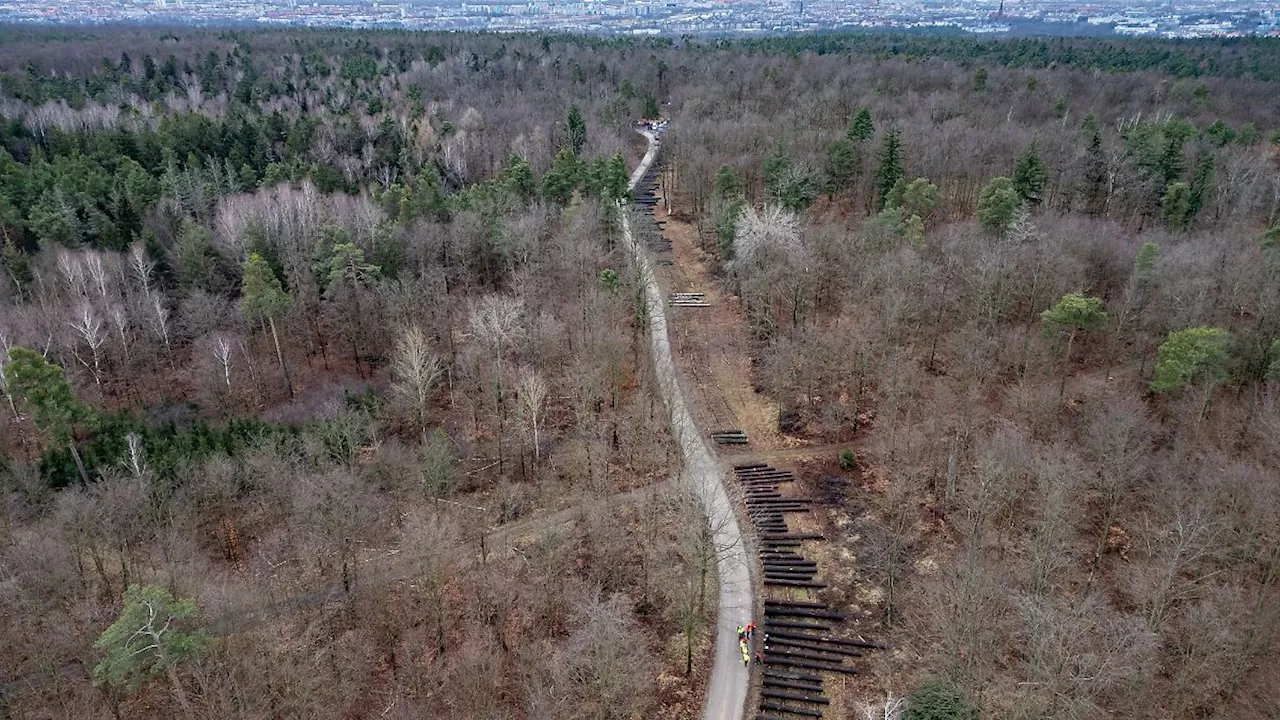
x=727, y=689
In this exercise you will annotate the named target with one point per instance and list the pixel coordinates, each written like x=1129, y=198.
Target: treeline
x=1248, y=58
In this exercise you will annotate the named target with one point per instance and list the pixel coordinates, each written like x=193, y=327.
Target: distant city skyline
x=1169, y=19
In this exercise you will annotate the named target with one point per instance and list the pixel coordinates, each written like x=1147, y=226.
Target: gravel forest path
x=727, y=688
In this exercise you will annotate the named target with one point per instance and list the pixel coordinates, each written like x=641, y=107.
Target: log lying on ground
x=791, y=685
x=832, y=655
x=749, y=466
x=769, y=626
x=833, y=641
x=815, y=647
x=787, y=661
x=776, y=580
x=788, y=563
x=808, y=584
x=779, y=707
x=793, y=536
x=801, y=612
x=807, y=604
x=798, y=697
x=793, y=675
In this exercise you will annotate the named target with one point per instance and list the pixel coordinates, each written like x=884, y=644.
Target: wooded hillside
x=326, y=376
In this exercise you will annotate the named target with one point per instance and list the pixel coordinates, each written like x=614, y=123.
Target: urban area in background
x=657, y=17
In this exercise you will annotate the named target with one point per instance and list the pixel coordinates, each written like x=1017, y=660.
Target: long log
x=788, y=661
x=769, y=626
x=834, y=641
x=794, y=536
x=816, y=647
x=808, y=584
x=749, y=466
x=794, y=675
x=807, y=604
x=801, y=612
x=779, y=707
x=791, y=685
x=788, y=563
x=806, y=653
x=798, y=697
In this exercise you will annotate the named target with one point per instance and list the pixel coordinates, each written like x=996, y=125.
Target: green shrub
x=848, y=459
x=939, y=700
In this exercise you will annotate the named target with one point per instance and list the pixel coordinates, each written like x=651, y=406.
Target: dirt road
x=727, y=688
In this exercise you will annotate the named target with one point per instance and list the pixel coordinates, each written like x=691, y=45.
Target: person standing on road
x=746, y=652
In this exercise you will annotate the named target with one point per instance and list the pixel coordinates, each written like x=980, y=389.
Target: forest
x=324, y=364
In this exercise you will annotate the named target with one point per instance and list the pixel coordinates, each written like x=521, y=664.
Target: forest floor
x=714, y=350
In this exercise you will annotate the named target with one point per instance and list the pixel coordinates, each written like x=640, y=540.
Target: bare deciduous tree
x=222, y=352
x=416, y=369
x=533, y=396
x=88, y=326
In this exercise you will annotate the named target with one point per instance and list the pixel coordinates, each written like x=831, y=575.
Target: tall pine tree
x=1030, y=176
x=889, y=171
x=1095, y=169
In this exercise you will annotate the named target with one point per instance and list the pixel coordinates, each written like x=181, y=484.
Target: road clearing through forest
x=702, y=471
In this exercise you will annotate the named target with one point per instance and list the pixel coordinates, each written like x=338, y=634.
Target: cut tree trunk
x=275, y=338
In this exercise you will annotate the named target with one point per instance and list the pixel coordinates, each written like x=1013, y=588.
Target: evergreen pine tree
x=889, y=171
x=862, y=128
x=1030, y=176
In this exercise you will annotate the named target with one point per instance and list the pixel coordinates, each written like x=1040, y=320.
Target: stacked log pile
x=798, y=635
